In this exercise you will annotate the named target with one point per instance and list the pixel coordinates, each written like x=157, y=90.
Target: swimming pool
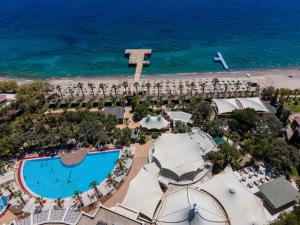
x=218, y=140
x=3, y=203
x=49, y=178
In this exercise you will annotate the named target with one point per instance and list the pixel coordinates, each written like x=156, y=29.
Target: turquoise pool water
x=3, y=203
x=49, y=178
x=218, y=140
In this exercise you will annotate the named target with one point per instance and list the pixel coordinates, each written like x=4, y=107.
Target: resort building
x=227, y=106
x=190, y=206
x=154, y=123
x=144, y=186
x=241, y=206
x=279, y=194
x=118, y=112
x=179, y=156
x=180, y=116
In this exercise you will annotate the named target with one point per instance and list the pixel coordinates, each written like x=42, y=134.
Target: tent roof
x=180, y=116
x=144, y=193
x=241, y=206
x=175, y=207
x=254, y=103
x=154, y=122
x=178, y=153
x=226, y=105
x=279, y=192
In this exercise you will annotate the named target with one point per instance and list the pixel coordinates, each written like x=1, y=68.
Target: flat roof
x=279, y=192
x=118, y=111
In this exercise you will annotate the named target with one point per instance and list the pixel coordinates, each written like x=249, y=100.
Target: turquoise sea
x=46, y=38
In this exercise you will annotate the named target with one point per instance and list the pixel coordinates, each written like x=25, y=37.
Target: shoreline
x=277, y=77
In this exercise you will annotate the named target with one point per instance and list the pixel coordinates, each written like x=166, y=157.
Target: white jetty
x=220, y=58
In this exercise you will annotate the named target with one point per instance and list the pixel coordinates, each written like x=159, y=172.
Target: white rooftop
x=226, y=105
x=241, y=206
x=178, y=153
x=176, y=205
x=253, y=103
x=180, y=116
x=154, y=122
x=144, y=193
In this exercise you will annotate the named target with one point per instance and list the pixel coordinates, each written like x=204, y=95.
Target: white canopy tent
x=178, y=154
x=225, y=106
x=241, y=206
x=176, y=205
x=154, y=123
x=253, y=103
x=144, y=193
x=180, y=116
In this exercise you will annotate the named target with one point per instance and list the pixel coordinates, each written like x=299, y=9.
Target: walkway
x=140, y=159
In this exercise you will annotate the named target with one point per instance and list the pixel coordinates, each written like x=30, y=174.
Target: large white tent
x=225, y=106
x=176, y=205
x=180, y=116
x=178, y=156
x=154, y=123
x=253, y=103
x=241, y=206
x=144, y=193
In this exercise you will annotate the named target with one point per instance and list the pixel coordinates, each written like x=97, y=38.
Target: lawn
x=292, y=106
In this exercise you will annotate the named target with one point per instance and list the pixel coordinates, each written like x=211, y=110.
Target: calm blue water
x=88, y=37
x=51, y=179
x=3, y=203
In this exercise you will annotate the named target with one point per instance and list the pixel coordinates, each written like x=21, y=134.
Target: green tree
x=215, y=127
x=200, y=109
x=243, y=121
x=226, y=155
x=93, y=185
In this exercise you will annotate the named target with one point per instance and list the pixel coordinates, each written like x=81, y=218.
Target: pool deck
x=140, y=159
x=73, y=157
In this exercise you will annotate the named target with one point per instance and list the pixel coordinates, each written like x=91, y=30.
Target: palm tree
x=237, y=85
x=203, y=85
x=215, y=82
x=93, y=185
x=71, y=92
x=125, y=85
x=225, y=88
x=248, y=88
x=102, y=87
x=180, y=88
x=120, y=163
x=19, y=194
x=92, y=87
x=257, y=89
x=114, y=88
x=148, y=86
x=192, y=86
x=158, y=86
x=126, y=121
x=8, y=188
x=39, y=200
x=136, y=85
x=78, y=197
x=58, y=88
x=59, y=202
x=80, y=86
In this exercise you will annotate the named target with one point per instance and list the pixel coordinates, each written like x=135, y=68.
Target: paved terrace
x=140, y=158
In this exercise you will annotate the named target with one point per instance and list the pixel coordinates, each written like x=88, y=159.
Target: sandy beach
x=278, y=78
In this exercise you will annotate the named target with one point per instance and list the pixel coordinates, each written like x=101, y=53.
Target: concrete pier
x=138, y=57
x=222, y=60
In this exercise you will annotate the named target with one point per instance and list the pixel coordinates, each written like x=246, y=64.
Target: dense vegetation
x=292, y=218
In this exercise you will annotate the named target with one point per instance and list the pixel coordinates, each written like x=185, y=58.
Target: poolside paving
x=140, y=159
